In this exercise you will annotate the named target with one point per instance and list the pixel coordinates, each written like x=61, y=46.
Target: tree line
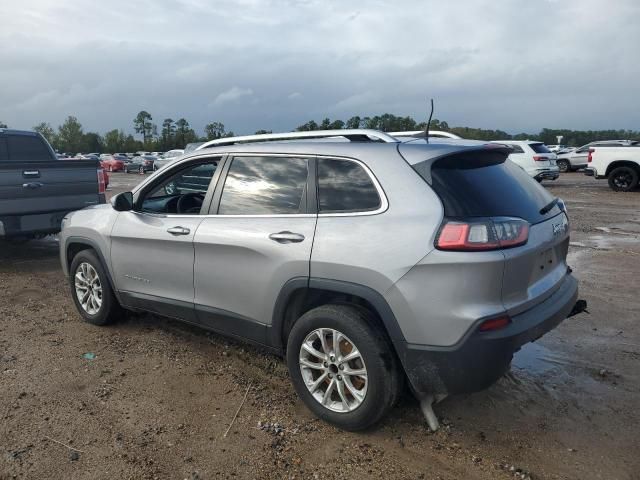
x=70, y=137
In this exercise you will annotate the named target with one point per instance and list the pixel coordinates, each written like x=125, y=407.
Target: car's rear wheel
x=563, y=165
x=141, y=170
x=342, y=366
x=91, y=291
x=623, y=179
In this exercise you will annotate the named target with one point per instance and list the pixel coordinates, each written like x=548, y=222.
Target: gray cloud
x=517, y=65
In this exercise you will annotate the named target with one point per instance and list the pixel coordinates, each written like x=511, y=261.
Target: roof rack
x=354, y=135
x=421, y=133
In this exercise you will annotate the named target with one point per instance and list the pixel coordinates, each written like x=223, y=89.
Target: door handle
x=32, y=185
x=286, y=237
x=178, y=231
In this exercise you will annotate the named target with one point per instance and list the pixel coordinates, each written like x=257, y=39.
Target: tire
x=623, y=179
x=378, y=390
x=141, y=170
x=563, y=165
x=108, y=310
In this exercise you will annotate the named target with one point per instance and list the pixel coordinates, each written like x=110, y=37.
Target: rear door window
x=262, y=185
x=345, y=186
x=27, y=148
x=483, y=184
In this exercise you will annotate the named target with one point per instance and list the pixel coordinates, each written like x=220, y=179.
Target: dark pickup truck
x=37, y=189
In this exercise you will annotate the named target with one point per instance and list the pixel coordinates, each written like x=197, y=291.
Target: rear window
x=539, y=148
x=482, y=184
x=27, y=148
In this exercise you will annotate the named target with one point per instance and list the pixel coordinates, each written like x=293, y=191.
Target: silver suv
x=367, y=261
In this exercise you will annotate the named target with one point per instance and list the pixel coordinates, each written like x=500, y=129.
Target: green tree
x=70, y=135
x=3, y=125
x=262, y=132
x=142, y=124
x=184, y=133
x=214, y=130
x=114, y=141
x=167, y=135
x=309, y=126
x=92, y=142
x=47, y=131
x=354, y=122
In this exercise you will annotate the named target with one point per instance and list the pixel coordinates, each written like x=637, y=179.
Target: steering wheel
x=190, y=203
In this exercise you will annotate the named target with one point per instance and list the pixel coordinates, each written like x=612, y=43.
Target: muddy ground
x=158, y=398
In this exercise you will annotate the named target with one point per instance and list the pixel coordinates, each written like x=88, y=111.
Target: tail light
x=494, y=323
x=102, y=187
x=590, y=157
x=539, y=158
x=481, y=235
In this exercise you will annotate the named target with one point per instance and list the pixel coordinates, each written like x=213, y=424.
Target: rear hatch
x=542, y=155
x=479, y=184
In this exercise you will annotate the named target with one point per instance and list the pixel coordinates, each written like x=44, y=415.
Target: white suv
x=534, y=157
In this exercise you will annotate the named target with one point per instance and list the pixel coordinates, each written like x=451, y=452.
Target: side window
x=516, y=149
x=180, y=192
x=265, y=186
x=344, y=186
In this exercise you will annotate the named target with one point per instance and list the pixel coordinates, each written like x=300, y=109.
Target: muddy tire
x=623, y=179
x=343, y=367
x=91, y=290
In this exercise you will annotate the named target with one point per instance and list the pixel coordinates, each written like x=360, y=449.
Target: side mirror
x=122, y=202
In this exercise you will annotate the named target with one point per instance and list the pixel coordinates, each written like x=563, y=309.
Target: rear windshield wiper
x=547, y=208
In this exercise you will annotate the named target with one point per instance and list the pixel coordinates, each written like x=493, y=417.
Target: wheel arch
x=301, y=294
x=74, y=245
x=622, y=163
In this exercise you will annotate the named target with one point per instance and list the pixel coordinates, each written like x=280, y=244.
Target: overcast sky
x=517, y=65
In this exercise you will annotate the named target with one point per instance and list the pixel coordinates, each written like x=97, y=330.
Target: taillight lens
x=101, y=183
x=538, y=158
x=486, y=234
x=590, y=157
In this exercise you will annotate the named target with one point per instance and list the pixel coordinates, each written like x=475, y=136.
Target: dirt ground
x=159, y=396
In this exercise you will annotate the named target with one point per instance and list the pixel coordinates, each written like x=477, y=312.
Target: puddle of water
x=536, y=359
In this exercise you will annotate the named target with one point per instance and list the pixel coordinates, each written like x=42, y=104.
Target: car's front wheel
x=91, y=291
x=342, y=366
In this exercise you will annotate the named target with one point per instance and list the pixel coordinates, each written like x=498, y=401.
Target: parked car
x=190, y=147
x=37, y=189
x=452, y=258
x=577, y=159
x=167, y=158
x=556, y=148
x=620, y=165
x=111, y=163
x=140, y=164
x=534, y=158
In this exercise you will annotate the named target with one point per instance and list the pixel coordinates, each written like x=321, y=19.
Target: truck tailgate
x=40, y=187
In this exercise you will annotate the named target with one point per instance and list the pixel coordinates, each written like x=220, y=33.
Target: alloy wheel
x=333, y=370
x=88, y=288
x=623, y=179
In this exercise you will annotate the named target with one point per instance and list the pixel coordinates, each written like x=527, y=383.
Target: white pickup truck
x=619, y=165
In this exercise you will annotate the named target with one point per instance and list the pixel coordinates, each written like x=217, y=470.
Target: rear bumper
x=590, y=172
x=547, y=175
x=35, y=224
x=28, y=225
x=480, y=358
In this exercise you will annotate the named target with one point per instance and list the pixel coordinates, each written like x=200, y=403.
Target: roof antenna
x=426, y=130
